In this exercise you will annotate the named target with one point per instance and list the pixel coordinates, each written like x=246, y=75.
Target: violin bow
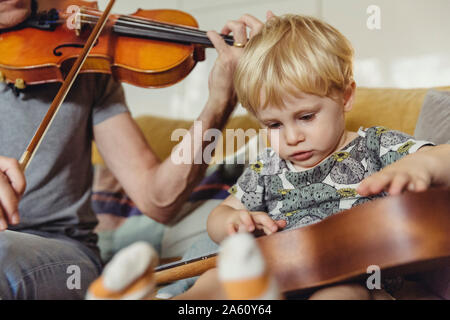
x=65, y=87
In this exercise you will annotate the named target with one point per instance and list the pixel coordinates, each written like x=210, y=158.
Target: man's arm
x=13, y=12
x=158, y=189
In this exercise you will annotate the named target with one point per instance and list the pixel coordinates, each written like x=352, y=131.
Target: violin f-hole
x=58, y=53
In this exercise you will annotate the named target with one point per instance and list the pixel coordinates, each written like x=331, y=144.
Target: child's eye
x=275, y=125
x=307, y=117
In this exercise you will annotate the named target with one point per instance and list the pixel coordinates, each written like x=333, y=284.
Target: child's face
x=307, y=130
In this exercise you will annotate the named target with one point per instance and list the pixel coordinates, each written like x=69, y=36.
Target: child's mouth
x=302, y=156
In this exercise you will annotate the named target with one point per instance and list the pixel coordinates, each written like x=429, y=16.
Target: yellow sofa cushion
x=393, y=108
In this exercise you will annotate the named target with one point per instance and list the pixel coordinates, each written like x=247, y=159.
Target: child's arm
x=429, y=166
x=231, y=216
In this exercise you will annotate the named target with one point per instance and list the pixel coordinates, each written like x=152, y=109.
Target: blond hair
x=293, y=53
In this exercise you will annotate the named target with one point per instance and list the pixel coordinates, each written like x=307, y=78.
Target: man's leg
x=36, y=267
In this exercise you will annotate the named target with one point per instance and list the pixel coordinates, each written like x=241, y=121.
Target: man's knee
x=39, y=268
x=8, y=249
x=8, y=252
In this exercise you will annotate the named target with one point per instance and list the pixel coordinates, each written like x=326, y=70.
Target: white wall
x=411, y=49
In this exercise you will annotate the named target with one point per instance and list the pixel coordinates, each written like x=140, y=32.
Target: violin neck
x=139, y=28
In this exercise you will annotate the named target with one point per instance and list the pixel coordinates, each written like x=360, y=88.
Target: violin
x=150, y=48
x=401, y=235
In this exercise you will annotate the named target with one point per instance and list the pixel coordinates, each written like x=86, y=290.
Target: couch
x=121, y=223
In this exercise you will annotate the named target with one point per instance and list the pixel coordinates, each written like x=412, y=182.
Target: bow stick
x=62, y=93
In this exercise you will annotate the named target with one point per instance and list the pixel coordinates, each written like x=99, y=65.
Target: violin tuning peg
x=2, y=77
x=20, y=84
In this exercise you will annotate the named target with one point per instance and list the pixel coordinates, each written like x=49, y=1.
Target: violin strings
x=143, y=22
x=88, y=16
x=156, y=30
x=150, y=28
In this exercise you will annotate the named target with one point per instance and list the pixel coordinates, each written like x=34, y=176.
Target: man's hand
x=12, y=187
x=243, y=220
x=13, y=12
x=221, y=77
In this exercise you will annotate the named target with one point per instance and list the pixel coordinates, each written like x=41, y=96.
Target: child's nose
x=293, y=135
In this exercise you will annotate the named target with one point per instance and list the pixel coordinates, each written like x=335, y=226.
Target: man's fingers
x=3, y=223
x=239, y=30
x=217, y=41
x=239, y=27
x=8, y=200
x=11, y=168
x=269, y=15
x=253, y=23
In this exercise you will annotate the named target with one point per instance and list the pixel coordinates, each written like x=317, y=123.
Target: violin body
x=42, y=56
x=399, y=234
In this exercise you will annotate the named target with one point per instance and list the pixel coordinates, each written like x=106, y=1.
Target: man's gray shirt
x=59, y=177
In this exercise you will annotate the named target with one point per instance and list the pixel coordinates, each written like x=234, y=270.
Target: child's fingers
x=374, y=184
x=231, y=229
x=399, y=183
x=395, y=183
x=281, y=223
x=418, y=185
x=247, y=220
x=265, y=222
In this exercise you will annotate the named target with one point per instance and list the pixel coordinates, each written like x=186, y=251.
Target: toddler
x=296, y=78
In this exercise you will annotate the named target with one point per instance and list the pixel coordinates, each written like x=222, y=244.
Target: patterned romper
x=274, y=186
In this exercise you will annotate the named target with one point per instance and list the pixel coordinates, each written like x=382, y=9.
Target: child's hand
x=243, y=220
x=413, y=173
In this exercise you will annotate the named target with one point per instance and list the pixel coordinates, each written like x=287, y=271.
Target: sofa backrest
x=393, y=108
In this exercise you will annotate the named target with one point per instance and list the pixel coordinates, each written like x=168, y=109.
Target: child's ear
x=349, y=95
